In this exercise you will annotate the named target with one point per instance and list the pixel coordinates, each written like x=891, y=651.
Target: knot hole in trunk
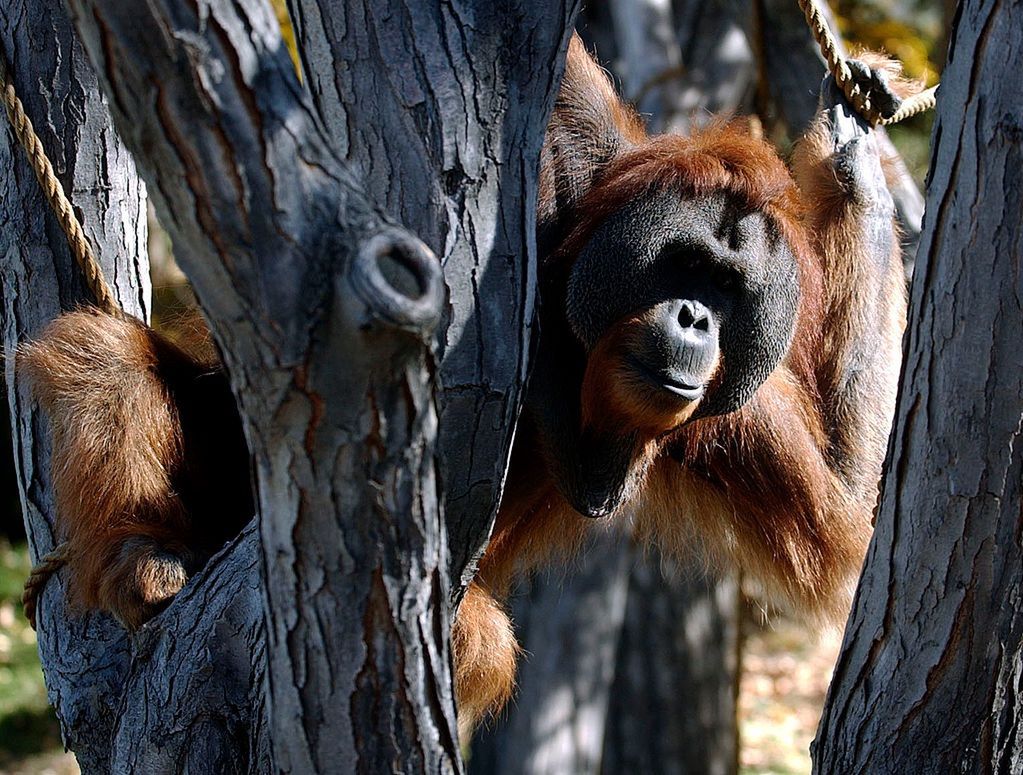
x=400, y=280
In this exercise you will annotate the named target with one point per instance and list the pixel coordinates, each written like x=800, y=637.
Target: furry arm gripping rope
x=876, y=111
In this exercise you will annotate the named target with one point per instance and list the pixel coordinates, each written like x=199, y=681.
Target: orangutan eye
x=727, y=280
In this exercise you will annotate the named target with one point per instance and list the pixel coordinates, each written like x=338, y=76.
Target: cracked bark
x=928, y=677
x=441, y=108
x=323, y=309
x=324, y=627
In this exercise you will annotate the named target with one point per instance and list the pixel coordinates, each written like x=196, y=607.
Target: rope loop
x=48, y=564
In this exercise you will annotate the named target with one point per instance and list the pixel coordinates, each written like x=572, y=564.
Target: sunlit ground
x=785, y=677
x=29, y=737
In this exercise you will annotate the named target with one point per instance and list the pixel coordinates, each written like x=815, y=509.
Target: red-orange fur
x=110, y=478
x=484, y=641
x=783, y=488
x=753, y=489
x=134, y=507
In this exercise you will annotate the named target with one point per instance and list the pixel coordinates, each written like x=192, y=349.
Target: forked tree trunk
x=285, y=211
x=928, y=678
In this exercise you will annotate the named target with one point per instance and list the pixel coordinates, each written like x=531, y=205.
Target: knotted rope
x=839, y=68
x=91, y=270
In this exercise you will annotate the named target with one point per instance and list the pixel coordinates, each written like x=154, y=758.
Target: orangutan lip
x=665, y=382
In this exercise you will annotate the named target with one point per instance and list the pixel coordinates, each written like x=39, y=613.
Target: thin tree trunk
x=674, y=697
x=631, y=665
x=571, y=633
x=84, y=658
x=928, y=678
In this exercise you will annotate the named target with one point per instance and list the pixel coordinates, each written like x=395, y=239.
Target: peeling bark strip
x=84, y=660
x=928, y=676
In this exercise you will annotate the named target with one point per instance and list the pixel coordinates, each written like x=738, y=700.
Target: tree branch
x=237, y=165
x=193, y=700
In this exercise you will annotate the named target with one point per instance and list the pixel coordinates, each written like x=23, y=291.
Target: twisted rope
x=48, y=565
x=87, y=263
x=839, y=68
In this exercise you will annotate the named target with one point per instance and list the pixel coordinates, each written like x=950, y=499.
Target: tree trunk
x=570, y=632
x=719, y=68
x=84, y=658
x=928, y=677
x=674, y=697
x=631, y=665
x=323, y=308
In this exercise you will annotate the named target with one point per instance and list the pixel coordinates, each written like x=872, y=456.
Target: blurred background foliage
x=912, y=31
x=785, y=672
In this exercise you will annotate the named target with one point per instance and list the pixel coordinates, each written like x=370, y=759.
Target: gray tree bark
x=84, y=659
x=570, y=626
x=324, y=309
x=719, y=66
x=674, y=700
x=928, y=678
x=631, y=665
